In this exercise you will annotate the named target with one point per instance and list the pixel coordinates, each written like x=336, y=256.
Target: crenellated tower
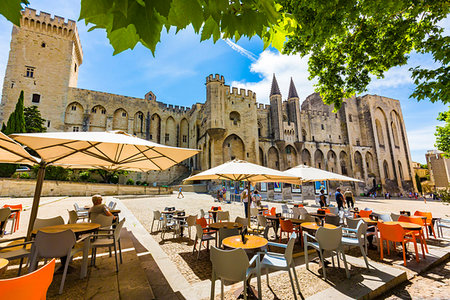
x=276, y=110
x=44, y=61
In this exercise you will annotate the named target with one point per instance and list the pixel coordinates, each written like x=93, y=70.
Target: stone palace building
x=365, y=139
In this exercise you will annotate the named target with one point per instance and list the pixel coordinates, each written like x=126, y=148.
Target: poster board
x=277, y=187
x=320, y=185
x=296, y=188
x=263, y=186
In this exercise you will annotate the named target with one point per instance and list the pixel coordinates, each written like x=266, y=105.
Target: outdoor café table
x=179, y=220
x=115, y=212
x=276, y=223
x=313, y=226
x=322, y=215
x=3, y=265
x=405, y=225
x=77, y=228
x=369, y=221
x=229, y=225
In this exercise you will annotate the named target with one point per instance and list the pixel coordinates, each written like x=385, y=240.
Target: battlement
x=262, y=106
x=173, y=108
x=240, y=92
x=43, y=22
x=215, y=78
x=314, y=113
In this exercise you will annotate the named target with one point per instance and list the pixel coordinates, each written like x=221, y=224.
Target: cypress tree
x=16, y=121
x=418, y=183
x=3, y=127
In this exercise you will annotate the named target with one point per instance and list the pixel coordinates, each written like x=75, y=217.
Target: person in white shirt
x=244, y=197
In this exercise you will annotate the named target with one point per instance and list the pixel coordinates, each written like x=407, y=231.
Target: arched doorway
x=232, y=148
x=273, y=159
x=318, y=159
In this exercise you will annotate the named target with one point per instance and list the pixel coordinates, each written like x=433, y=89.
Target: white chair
x=442, y=223
x=112, y=205
x=226, y=232
x=353, y=224
x=168, y=225
x=39, y=223
x=158, y=218
x=395, y=217
x=73, y=217
x=104, y=221
x=105, y=238
x=254, y=214
x=200, y=238
x=242, y=221
x=286, y=211
x=333, y=210
x=325, y=240
x=81, y=212
x=384, y=217
x=223, y=216
x=55, y=245
x=231, y=265
x=279, y=261
x=4, y=216
x=21, y=253
x=190, y=222
x=358, y=240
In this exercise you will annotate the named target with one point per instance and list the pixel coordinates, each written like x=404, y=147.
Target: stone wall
x=25, y=188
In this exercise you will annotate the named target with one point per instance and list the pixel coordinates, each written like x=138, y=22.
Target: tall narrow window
x=36, y=98
x=167, y=137
x=350, y=118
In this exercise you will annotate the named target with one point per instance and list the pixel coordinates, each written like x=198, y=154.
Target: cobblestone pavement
x=433, y=284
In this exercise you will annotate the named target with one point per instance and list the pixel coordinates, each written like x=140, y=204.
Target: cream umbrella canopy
x=114, y=150
x=241, y=170
x=308, y=174
x=12, y=152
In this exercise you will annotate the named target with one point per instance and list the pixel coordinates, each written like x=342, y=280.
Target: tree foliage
x=418, y=184
x=16, y=120
x=443, y=133
x=348, y=42
x=109, y=176
x=33, y=120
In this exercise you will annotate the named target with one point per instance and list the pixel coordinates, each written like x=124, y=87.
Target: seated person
x=98, y=208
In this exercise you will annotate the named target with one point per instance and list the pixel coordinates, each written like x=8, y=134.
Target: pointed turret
x=292, y=90
x=275, y=90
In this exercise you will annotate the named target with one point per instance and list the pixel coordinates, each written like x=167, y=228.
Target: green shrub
x=24, y=175
x=7, y=170
x=84, y=176
x=130, y=181
x=138, y=182
x=114, y=178
x=445, y=195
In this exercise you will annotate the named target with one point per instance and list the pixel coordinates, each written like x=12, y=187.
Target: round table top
x=180, y=217
x=76, y=228
x=270, y=217
x=228, y=225
x=296, y=221
x=369, y=221
x=3, y=265
x=252, y=242
x=313, y=226
x=115, y=211
x=405, y=225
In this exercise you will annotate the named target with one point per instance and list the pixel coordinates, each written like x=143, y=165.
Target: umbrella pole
x=36, y=199
x=248, y=204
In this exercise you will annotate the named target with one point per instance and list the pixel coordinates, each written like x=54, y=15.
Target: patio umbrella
x=241, y=170
x=12, y=152
x=308, y=174
x=115, y=150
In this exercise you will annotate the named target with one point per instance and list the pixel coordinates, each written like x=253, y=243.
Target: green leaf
x=10, y=9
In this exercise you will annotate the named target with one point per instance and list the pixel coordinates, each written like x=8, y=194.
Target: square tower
x=44, y=59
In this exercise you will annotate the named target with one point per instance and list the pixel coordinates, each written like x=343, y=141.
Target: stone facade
x=439, y=168
x=365, y=139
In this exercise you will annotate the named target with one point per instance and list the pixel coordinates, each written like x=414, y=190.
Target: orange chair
x=428, y=221
x=32, y=286
x=286, y=226
x=266, y=212
x=15, y=215
x=273, y=211
x=204, y=224
x=395, y=233
x=418, y=233
x=365, y=213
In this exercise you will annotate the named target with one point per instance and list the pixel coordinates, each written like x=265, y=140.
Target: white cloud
x=284, y=67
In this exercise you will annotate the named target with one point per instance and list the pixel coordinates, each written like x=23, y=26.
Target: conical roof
x=275, y=90
x=292, y=90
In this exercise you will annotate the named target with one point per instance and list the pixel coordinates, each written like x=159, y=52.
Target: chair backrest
x=199, y=231
x=262, y=221
x=156, y=215
x=290, y=248
x=202, y=213
x=335, y=220
x=230, y=265
x=395, y=217
x=367, y=208
x=329, y=239
x=4, y=214
x=253, y=211
x=112, y=205
x=424, y=214
x=407, y=219
x=297, y=212
x=365, y=213
x=118, y=229
x=191, y=220
x=333, y=210
x=286, y=225
x=266, y=212
x=103, y=220
x=394, y=232
x=361, y=233
x=309, y=218
x=39, y=223
x=202, y=222
x=352, y=223
x=226, y=232
x=36, y=284
x=77, y=208
x=385, y=217
x=242, y=221
x=73, y=217
x=52, y=245
x=15, y=206
x=273, y=211
x=223, y=215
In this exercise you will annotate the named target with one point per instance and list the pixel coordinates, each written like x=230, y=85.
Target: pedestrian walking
x=180, y=193
x=348, y=196
x=339, y=199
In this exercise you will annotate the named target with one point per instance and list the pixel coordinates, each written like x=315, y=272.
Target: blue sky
x=177, y=73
